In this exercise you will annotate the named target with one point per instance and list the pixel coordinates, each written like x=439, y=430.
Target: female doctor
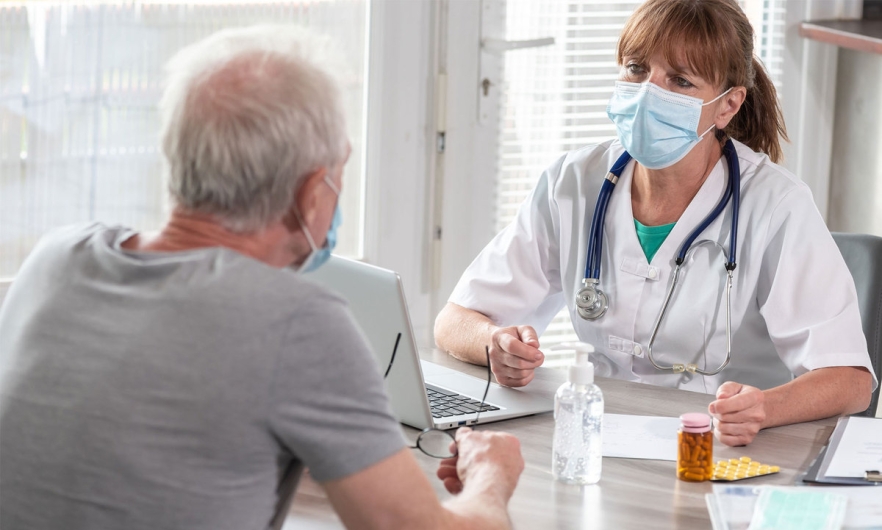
x=699, y=119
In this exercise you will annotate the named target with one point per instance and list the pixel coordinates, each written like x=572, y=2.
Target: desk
x=631, y=493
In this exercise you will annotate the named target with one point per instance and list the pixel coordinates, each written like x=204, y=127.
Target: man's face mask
x=318, y=256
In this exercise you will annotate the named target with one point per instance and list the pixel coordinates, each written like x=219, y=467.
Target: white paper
x=859, y=449
x=645, y=437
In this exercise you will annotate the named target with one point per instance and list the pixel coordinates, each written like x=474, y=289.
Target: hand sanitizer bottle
x=578, y=415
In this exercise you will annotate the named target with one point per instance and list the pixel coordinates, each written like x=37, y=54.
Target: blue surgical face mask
x=318, y=256
x=657, y=127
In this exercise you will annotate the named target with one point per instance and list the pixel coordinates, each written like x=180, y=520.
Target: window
x=554, y=98
x=78, y=120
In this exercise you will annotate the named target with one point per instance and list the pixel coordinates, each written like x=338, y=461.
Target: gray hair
x=246, y=115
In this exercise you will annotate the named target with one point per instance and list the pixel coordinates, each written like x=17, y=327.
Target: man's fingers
x=453, y=485
x=461, y=434
x=446, y=472
x=449, y=461
x=529, y=336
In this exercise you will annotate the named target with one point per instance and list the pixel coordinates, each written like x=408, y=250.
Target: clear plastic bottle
x=578, y=417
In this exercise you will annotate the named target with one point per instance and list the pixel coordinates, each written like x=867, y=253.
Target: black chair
x=863, y=256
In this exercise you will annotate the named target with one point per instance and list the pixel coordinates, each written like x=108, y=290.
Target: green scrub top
x=651, y=237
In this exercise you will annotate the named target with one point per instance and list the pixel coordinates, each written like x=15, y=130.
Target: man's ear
x=730, y=105
x=306, y=199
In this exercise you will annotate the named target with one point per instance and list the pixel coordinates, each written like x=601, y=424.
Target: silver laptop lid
x=376, y=299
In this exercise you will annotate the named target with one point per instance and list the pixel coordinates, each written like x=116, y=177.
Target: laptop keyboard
x=446, y=403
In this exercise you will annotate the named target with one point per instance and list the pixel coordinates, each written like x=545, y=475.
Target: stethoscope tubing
x=733, y=192
x=595, y=238
x=595, y=247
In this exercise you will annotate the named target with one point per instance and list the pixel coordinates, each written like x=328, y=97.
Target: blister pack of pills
x=741, y=468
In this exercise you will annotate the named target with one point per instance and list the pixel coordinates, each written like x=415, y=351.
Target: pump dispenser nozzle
x=582, y=372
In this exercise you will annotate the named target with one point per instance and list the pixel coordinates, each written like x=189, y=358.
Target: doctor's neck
x=660, y=196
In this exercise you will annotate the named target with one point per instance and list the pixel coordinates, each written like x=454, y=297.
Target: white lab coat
x=794, y=305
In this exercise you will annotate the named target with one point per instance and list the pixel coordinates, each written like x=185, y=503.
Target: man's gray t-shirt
x=175, y=390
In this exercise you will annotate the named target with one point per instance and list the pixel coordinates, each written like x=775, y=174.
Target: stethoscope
x=592, y=303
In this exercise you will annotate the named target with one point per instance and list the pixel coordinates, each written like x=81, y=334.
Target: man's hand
x=488, y=459
x=740, y=412
x=514, y=354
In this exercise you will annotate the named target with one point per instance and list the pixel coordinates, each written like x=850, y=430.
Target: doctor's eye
x=681, y=82
x=633, y=68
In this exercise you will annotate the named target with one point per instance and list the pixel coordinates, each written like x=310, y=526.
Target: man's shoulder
x=249, y=279
x=58, y=248
x=75, y=235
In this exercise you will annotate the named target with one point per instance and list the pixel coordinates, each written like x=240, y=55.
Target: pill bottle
x=695, y=448
x=577, y=450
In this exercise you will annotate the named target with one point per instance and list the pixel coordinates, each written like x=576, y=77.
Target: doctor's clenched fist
x=467, y=335
x=514, y=354
x=740, y=412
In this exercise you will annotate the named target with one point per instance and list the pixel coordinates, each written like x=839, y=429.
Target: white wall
x=856, y=176
x=399, y=150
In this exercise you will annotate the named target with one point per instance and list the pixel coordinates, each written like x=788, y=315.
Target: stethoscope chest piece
x=591, y=302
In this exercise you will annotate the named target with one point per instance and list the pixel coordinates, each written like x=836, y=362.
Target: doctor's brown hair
x=716, y=40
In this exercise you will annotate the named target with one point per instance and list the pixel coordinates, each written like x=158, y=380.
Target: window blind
x=553, y=99
x=78, y=120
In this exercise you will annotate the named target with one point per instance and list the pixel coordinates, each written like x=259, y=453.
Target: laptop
x=423, y=394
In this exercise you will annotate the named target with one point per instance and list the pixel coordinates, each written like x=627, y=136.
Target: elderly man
x=183, y=379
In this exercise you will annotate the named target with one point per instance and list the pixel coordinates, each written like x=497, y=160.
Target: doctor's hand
x=739, y=411
x=514, y=354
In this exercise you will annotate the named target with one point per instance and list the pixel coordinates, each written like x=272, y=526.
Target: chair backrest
x=863, y=256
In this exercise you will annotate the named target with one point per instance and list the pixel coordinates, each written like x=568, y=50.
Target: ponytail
x=759, y=124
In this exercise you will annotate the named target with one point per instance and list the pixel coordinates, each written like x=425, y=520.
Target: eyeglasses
x=432, y=441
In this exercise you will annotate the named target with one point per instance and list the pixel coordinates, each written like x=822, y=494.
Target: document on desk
x=858, y=449
x=644, y=437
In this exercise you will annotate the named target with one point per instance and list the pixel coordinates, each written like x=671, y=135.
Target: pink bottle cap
x=695, y=422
